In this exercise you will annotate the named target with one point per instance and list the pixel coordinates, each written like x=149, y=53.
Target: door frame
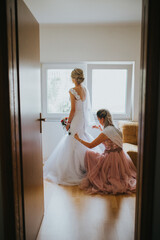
x=10, y=140
x=148, y=116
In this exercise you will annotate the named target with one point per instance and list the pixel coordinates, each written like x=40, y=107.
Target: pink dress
x=112, y=172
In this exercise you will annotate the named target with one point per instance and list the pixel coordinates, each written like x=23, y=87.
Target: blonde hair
x=104, y=113
x=78, y=75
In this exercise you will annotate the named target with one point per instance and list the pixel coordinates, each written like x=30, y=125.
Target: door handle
x=41, y=119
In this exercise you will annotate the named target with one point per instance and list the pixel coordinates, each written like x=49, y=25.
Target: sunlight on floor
x=70, y=214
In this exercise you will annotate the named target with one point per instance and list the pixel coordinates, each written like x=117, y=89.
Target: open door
x=30, y=108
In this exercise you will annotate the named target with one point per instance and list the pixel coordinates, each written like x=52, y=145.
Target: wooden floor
x=70, y=214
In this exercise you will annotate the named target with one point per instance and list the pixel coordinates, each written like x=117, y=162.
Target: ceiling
x=85, y=11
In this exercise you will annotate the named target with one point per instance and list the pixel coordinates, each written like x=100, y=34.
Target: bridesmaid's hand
x=95, y=126
x=98, y=127
x=76, y=136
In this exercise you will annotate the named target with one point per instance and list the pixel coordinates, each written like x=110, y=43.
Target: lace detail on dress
x=73, y=91
x=110, y=146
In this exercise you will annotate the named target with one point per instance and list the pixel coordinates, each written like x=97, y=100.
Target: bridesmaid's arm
x=101, y=138
x=71, y=115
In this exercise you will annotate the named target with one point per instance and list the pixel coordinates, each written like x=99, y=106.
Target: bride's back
x=79, y=118
x=81, y=91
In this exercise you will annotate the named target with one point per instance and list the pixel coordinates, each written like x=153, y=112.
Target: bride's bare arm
x=101, y=138
x=72, y=110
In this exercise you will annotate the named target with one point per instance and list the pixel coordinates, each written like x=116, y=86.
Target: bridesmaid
x=113, y=171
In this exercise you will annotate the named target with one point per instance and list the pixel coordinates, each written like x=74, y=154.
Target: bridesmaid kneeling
x=113, y=171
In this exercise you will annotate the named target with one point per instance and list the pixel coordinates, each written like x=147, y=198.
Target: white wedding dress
x=66, y=163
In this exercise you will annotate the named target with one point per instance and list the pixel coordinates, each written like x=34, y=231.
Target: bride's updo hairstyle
x=78, y=75
x=103, y=113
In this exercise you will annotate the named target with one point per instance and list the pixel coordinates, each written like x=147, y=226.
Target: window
x=56, y=82
x=109, y=84
x=110, y=87
x=58, y=85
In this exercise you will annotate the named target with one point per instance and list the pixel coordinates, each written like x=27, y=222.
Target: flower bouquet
x=64, y=122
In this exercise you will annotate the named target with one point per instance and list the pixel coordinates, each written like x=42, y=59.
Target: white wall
x=78, y=43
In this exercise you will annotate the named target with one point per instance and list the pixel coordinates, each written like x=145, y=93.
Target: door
x=147, y=186
x=11, y=203
x=30, y=108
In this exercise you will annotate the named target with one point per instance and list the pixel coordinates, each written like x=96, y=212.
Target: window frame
x=87, y=68
x=124, y=66
x=55, y=116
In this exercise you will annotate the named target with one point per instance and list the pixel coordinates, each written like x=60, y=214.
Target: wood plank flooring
x=70, y=214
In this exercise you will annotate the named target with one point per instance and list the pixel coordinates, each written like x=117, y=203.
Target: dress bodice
x=110, y=145
x=73, y=91
x=82, y=118
x=114, y=139
x=79, y=104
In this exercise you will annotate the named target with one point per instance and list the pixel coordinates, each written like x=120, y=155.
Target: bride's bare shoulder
x=76, y=88
x=79, y=89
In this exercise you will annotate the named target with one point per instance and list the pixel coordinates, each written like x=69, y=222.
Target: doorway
x=143, y=108
x=52, y=39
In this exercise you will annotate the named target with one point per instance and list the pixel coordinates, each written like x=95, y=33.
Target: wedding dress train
x=66, y=163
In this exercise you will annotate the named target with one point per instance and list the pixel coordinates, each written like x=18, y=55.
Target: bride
x=66, y=163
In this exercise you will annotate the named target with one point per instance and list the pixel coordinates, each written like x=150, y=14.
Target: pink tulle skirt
x=109, y=173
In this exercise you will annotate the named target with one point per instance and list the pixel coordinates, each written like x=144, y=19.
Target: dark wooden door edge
x=141, y=118
x=9, y=125
x=150, y=78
